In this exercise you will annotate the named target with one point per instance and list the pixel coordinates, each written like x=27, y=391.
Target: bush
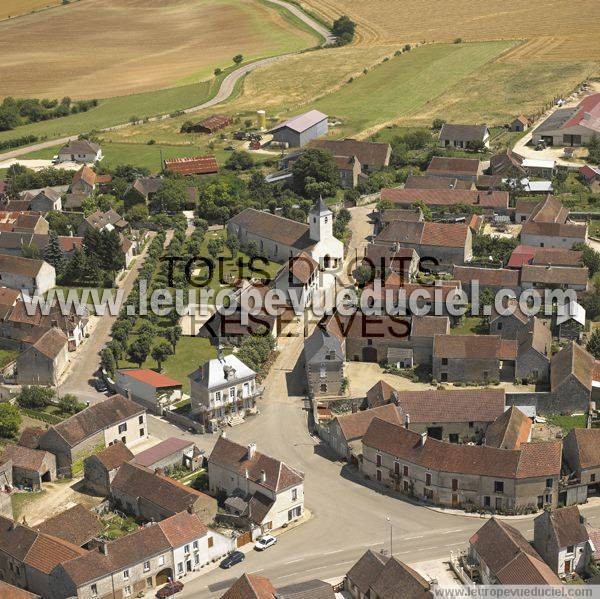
x=10, y=421
x=35, y=397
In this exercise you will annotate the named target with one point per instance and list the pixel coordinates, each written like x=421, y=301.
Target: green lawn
x=470, y=325
x=21, y=500
x=191, y=353
x=404, y=84
x=567, y=422
x=7, y=356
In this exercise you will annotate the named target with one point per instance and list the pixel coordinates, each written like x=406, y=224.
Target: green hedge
x=44, y=416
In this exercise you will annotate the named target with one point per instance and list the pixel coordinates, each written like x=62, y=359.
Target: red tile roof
x=114, y=456
x=354, y=426
x=460, y=166
x=198, y=165
x=447, y=197
x=151, y=377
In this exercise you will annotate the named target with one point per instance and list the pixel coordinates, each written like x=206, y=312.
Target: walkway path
x=225, y=91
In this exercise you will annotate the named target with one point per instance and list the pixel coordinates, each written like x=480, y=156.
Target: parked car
x=100, y=385
x=235, y=557
x=264, y=542
x=170, y=589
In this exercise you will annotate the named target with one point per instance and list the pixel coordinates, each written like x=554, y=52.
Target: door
x=369, y=354
x=567, y=566
x=435, y=432
x=163, y=576
x=454, y=499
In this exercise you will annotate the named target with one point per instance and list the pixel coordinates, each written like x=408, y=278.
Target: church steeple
x=321, y=221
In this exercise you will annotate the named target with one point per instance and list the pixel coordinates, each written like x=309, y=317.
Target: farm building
x=521, y=123
x=198, y=165
x=573, y=126
x=371, y=155
x=212, y=123
x=152, y=389
x=462, y=136
x=80, y=150
x=465, y=169
x=299, y=130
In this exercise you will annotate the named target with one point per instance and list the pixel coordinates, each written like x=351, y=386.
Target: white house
x=462, y=136
x=152, y=389
x=35, y=276
x=299, y=277
x=222, y=389
x=272, y=490
x=80, y=150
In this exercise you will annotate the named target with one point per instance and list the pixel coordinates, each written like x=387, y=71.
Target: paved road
x=226, y=89
x=87, y=360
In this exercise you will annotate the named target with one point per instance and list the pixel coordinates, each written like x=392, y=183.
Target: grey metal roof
x=556, y=120
x=302, y=122
x=319, y=344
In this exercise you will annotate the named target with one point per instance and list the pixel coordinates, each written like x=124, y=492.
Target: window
x=142, y=432
x=294, y=494
x=444, y=361
x=211, y=542
x=94, y=590
x=141, y=419
x=444, y=376
x=127, y=591
x=405, y=486
x=196, y=559
x=428, y=479
x=161, y=560
x=180, y=568
x=453, y=438
x=396, y=469
x=217, y=396
x=570, y=549
x=549, y=482
x=592, y=478
x=379, y=475
x=498, y=486
x=540, y=501
x=126, y=574
x=146, y=566
x=149, y=582
x=195, y=544
x=186, y=549
x=122, y=428
x=378, y=460
x=405, y=471
x=470, y=425
x=499, y=326
x=486, y=501
x=232, y=393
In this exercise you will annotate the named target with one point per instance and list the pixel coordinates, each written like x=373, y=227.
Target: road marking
x=447, y=532
x=293, y=561
x=256, y=571
x=332, y=552
x=411, y=538
x=529, y=530
x=451, y=544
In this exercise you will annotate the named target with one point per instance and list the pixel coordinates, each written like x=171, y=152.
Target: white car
x=265, y=541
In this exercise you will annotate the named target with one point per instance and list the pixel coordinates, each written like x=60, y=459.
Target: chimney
x=103, y=548
x=189, y=509
x=354, y=408
x=407, y=420
x=246, y=473
x=224, y=434
x=159, y=471
x=263, y=476
x=423, y=438
x=251, y=450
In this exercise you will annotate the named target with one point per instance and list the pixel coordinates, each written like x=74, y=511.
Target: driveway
x=37, y=165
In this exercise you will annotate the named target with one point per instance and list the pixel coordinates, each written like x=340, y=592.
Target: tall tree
x=10, y=420
x=139, y=349
x=52, y=253
x=160, y=352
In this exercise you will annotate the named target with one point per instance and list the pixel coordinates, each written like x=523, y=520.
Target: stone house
x=28, y=557
x=459, y=475
x=377, y=576
x=534, y=348
x=44, y=362
x=80, y=150
x=510, y=322
x=349, y=169
x=434, y=181
x=502, y=555
x=103, y=221
x=170, y=453
x=509, y=431
x=372, y=156
x=273, y=490
x=114, y=419
x=521, y=123
x=142, y=190
x=554, y=277
x=141, y=561
x=46, y=200
x=30, y=467
x=423, y=330
x=24, y=222
x=298, y=278
x=8, y=590
x=149, y=388
x=299, y=130
x=494, y=279
x=381, y=259
x=34, y=276
x=455, y=416
x=323, y=363
x=571, y=371
x=462, y=136
x=581, y=455
x=441, y=200
x=557, y=235
x=562, y=539
x=222, y=389
x=152, y=496
x=472, y=358
x=84, y=181
x=100, y=469
x=345, y=432
x=445, y=243
x=76, y=525
x=463, y=169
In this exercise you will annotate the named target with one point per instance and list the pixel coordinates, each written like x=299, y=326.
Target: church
x=279, y=238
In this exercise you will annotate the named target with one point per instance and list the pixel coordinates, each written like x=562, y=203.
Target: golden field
x=9, y=9
x=105, y=48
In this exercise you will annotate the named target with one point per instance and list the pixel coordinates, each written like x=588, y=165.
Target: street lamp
x=391, y=535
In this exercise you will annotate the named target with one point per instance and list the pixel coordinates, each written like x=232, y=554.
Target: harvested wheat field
x=104, y=48
x=567, y=29
x=9, y=9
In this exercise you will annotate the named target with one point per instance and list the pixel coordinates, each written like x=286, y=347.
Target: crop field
x=129, y=46
x=556, y=28
x=9, y=9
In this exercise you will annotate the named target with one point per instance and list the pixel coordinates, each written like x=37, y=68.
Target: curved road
x=225, y=90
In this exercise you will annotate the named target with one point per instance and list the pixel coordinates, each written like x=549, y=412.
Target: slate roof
x=460, y=166
x=113, y=456
x=509, y=556
x=446, y=197
x=494, y=277
x=232, y=456
x=571, y=360
x=367, y=570
x=302, y=122
x=137, y=481
x=270, y=226
x=509, y=430
x=77, y=525
x=566, y=523
x=529, y=461
x=460, y=405
x=355, y=425
x=463, y=132
x=319, y=346
x=97, y=417
x=251, y=586
x=309, y=589
x=25, y=458
x=368, y=152
x=399, y=581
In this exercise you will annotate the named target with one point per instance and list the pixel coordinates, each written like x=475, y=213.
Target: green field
x=405, y=84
